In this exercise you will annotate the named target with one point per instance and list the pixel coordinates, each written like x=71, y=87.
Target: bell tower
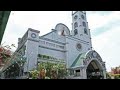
x=80, y=27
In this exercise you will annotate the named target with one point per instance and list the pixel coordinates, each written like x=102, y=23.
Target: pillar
x=83, y=72
x=104, y=73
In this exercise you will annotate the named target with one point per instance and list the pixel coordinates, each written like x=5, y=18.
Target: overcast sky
x=104, y=25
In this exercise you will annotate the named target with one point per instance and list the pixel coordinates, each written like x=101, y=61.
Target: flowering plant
x=49, y=70
x=5, y=54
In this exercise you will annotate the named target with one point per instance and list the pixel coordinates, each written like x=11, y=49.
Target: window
x=82, y=16
x=84, y=24
x=77, y=72
x=75, y=17
x=85, y=31
x=75, y=25
x=75, y=32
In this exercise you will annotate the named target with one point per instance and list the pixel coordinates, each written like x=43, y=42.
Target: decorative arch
x=62, y=29
x=94, y=65
x=94, y=70
x=92, y=55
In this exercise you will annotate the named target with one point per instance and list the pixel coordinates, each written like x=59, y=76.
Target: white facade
x=61, y=44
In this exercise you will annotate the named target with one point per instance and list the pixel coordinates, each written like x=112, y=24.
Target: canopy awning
x=78, y=60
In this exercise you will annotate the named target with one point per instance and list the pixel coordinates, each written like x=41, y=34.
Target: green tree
x=34, y=74
x=54, y=70
x=62, y=71
x=49, y=70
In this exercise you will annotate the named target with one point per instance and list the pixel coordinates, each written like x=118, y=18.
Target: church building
x=72, y=47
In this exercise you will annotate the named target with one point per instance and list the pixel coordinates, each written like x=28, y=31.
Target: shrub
x=48, y=70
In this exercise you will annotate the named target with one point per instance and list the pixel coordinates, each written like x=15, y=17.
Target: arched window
x=75, y=32
x=75, y=25
x=85, y=31
x=84, y=24
x=82, y=16
x=75, y=17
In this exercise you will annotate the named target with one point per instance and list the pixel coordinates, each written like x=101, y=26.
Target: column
x=83, y=72
x=104, y=73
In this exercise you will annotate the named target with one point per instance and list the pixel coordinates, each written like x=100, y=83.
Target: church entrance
x=94, y=70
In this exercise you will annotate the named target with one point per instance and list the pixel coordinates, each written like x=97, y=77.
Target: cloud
x=107, y=45
x=105, y=35
x=41, y=20
x=104, y=27
x=97, y=20
x=108, y=26
x=20, y=21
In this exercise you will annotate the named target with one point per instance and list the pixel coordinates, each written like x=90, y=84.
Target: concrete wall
x=55, y=36
x=53, y=53
x=72, y=51
x=52, y=48
x=31, y=50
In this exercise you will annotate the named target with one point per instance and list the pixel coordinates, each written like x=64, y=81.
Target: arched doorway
x=94, y=70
